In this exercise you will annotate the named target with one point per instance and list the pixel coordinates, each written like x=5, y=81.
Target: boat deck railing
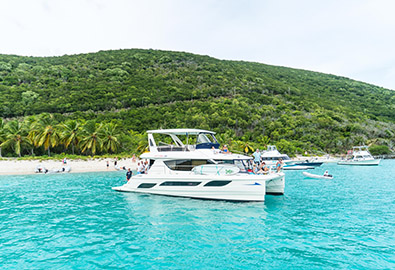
x=172, y=148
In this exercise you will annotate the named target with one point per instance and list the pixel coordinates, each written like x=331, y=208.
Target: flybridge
x=193, y=138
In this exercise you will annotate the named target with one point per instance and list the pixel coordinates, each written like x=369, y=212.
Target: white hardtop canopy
x=271, y=151
x=180, y=131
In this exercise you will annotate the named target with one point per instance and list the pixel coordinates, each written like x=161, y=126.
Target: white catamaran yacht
x=190, y=164
x=359, y=155
x=271, y=155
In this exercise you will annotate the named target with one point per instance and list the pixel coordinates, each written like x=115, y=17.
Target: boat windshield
x=202, y=138
x=206, y=141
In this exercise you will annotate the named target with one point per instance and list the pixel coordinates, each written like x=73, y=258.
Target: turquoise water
x=75, y=221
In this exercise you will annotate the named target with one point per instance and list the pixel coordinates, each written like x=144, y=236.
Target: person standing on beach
x=115, y=162
x=108, y=164
x=128, y=175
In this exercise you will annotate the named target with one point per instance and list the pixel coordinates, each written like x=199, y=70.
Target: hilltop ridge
x=251, y=102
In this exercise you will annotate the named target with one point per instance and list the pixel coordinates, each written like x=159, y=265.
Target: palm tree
x=139, y=141
x=29, y=123
x=70, y=133
x=90, y=137
x=2, y=133
x=15, y=136
x=243, y=146
x=45, y=132
x=264, y=140
x=110, y=137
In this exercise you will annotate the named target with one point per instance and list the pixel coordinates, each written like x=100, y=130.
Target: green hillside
x=249, y=104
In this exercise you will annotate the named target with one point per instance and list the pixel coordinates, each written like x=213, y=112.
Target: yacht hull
x=373, y=162
x=238, y=187
x=275, y=186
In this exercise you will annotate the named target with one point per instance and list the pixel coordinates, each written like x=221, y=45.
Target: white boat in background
x=361, y=156
x=191, y=165
x=271, y=155
x=316, y=176
x=297, y=167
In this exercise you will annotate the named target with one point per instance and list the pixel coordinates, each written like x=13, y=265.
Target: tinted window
x=146, y=185
x=179, y=184
x=185, y=164
x=217, y=183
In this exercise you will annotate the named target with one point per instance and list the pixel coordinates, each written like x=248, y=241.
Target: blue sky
x=350, y=38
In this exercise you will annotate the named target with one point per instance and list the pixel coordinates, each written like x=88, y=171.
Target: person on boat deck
x=257, y=156
x=128, y=174
x=145, y=167
x=264, y=168
x=139, y=167
x=326, y=173
x=255, y=169
x=215, y=151
x=225, y=149
x=279, y=164
x=259, y=169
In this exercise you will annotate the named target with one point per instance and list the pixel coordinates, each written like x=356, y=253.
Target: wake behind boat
x=195, y=168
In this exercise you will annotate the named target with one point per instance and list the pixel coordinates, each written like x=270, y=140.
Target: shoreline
x=25, y=167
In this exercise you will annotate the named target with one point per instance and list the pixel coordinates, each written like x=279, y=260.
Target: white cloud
x=349, y=38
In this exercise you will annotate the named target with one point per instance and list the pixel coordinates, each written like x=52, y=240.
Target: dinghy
x=310, y=175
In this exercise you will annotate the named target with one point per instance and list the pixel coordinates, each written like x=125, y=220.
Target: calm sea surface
x=75, y=221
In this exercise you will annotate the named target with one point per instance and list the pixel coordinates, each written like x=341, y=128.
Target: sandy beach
x=13, y=166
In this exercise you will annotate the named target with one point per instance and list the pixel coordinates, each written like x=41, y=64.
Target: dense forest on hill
x=126, y=92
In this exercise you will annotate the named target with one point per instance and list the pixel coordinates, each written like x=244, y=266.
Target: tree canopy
x=112, y=94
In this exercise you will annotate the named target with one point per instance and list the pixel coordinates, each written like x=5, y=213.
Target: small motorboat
x=297, y=167
x=309, y=163
x=317, y=176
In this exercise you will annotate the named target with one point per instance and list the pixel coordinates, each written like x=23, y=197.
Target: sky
x=350, y=38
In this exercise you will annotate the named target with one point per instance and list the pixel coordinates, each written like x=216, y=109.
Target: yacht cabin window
x=243, y=165
x=185, y=164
